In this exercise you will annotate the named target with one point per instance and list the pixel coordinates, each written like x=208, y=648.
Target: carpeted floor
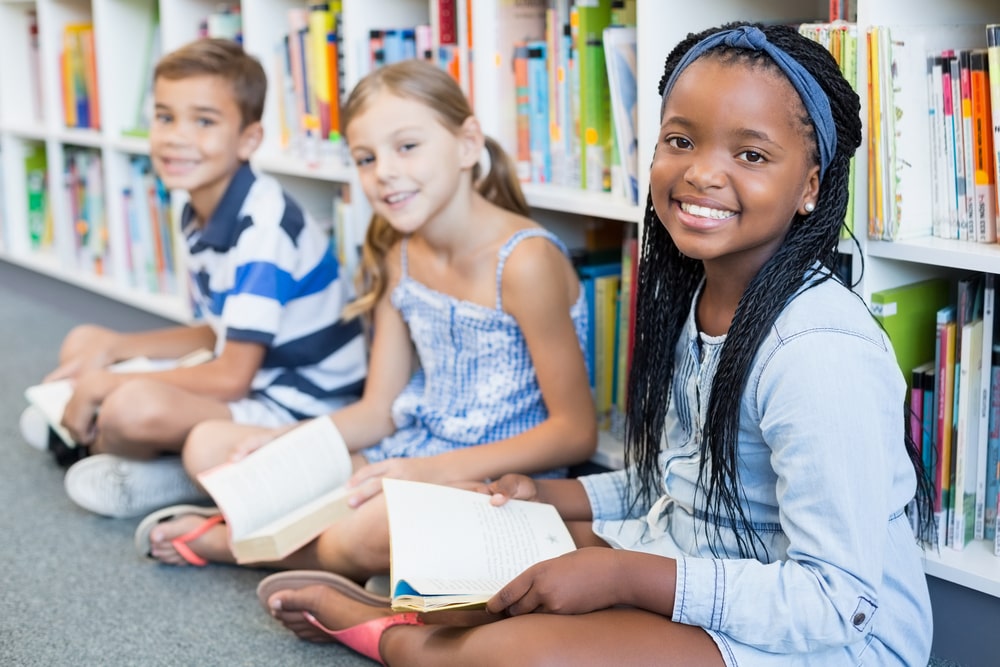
x=73, y=591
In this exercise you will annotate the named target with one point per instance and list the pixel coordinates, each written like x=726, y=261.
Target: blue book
x=538, y=113
x=588, y=274
x=993, y=449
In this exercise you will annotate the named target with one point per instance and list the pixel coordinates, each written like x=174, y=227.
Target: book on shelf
x=985, y=184
x=982, y=403
x=514, y=22
x=283, y=495
x=143, y=116
x=620, y=60
x=451, y=549
x=993, y=448
x=967, y=433
x=993, y=65
x=594, y=113
x=50, y=398
x=944, y=396
x=538, y=112
x=589, y=276
x=908, y=314
x=36, y=184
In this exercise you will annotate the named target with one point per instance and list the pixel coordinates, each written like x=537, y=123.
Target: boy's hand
x=578, y=582
x=80, y=415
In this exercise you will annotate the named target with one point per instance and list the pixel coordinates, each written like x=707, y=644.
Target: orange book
x=984, y=205
x=69, y=98
x=522, y=117
x=333, y=71
x=87, y=46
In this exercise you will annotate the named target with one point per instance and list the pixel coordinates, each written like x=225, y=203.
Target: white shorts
x=259, y=411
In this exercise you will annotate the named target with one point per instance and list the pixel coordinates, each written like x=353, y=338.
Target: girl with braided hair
x=761, y=518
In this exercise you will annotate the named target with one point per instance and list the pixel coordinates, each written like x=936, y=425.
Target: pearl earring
x=810, y=207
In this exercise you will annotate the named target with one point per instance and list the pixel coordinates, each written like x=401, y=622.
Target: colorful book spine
x=967, y=434
x=993, y=64
x=985, y=195
x=595, y=110
x=982, y=403
x=945, y=396
x=538, y=112
x=320, y=26
x=522, y=100
x=993, y=447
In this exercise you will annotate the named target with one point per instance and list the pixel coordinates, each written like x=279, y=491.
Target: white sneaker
x=35, y=428
x=122, y=488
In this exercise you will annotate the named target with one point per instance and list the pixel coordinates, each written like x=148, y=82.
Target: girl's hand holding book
x=367, y=481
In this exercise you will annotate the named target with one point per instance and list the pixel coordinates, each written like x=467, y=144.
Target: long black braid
x=667, y=281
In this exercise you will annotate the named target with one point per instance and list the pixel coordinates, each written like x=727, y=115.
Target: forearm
x=548, y=446
x=170, y=343
x=363, y=424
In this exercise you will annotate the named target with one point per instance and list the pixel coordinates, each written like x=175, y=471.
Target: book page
x=452, y=541
x=283, y=475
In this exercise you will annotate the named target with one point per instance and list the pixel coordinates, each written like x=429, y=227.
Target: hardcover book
x=284, y=494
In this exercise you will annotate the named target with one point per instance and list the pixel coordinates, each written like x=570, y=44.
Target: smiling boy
x=262, y=276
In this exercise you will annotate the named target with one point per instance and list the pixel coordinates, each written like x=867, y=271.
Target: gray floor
x=72, y=589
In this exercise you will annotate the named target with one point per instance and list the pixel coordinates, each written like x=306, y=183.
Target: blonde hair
x=427, y=84
x=227, y=60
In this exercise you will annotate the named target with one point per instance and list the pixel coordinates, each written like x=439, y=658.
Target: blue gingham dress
x=476, y=383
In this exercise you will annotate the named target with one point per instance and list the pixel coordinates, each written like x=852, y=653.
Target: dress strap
x=511, y=243
x=404, y=262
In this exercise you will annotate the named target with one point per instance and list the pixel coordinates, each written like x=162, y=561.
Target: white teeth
x=705, y=212
x=399, y=196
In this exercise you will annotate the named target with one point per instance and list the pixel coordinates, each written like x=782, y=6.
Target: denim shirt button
x=859, y=618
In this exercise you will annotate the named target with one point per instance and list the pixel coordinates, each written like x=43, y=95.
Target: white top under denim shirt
x=825, y=478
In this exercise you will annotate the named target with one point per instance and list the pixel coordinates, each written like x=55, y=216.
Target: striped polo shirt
x=262, y=271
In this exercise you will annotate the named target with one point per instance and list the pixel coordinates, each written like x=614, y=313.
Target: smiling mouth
x=706, y=212
x=397, y=197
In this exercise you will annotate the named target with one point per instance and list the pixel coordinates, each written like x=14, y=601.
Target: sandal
x=364, y=637
x=296, y=579
x=212, y=518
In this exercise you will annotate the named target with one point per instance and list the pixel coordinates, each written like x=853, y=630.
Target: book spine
x=985, y=206
x=595, y=116
x=968, y=167
x=538, y=113
x=320, y=24
x=945, y=394
x=522, y=84
x=993, y=64
x=993, y=448
x=983, y=404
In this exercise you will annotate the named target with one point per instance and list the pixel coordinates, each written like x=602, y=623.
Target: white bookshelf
x=122, y=30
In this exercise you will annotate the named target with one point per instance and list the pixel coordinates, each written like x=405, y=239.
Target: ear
x=810, y=193
x=250, y=138
x=472, y=141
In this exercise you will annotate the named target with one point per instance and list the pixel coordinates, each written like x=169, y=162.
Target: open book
x=284, y=494
x=452, y=549
x=51, y=397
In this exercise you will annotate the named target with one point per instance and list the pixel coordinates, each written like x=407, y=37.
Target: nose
x=386, y=166
x=706, y=170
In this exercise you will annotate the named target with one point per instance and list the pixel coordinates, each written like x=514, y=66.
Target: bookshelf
x=31, y=116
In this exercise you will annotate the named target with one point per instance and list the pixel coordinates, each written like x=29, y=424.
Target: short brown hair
x=225, y=59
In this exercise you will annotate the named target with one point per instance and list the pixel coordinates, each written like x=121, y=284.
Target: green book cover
x=35, y=166
x=593, y=16
x=908, y=314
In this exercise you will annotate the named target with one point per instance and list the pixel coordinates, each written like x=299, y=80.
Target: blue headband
x=815, y=100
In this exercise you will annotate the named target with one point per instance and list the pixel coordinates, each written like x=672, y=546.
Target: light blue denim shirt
x=825, y=478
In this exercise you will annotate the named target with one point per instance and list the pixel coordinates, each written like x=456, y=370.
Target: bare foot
x=304, y=610
x=212, y=545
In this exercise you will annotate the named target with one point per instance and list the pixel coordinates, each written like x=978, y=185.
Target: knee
x=207, y=445
x=130, y=414
x=82, y=337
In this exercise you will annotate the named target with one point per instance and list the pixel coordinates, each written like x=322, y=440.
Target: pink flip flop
x=212, y=518
x=364, y=637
